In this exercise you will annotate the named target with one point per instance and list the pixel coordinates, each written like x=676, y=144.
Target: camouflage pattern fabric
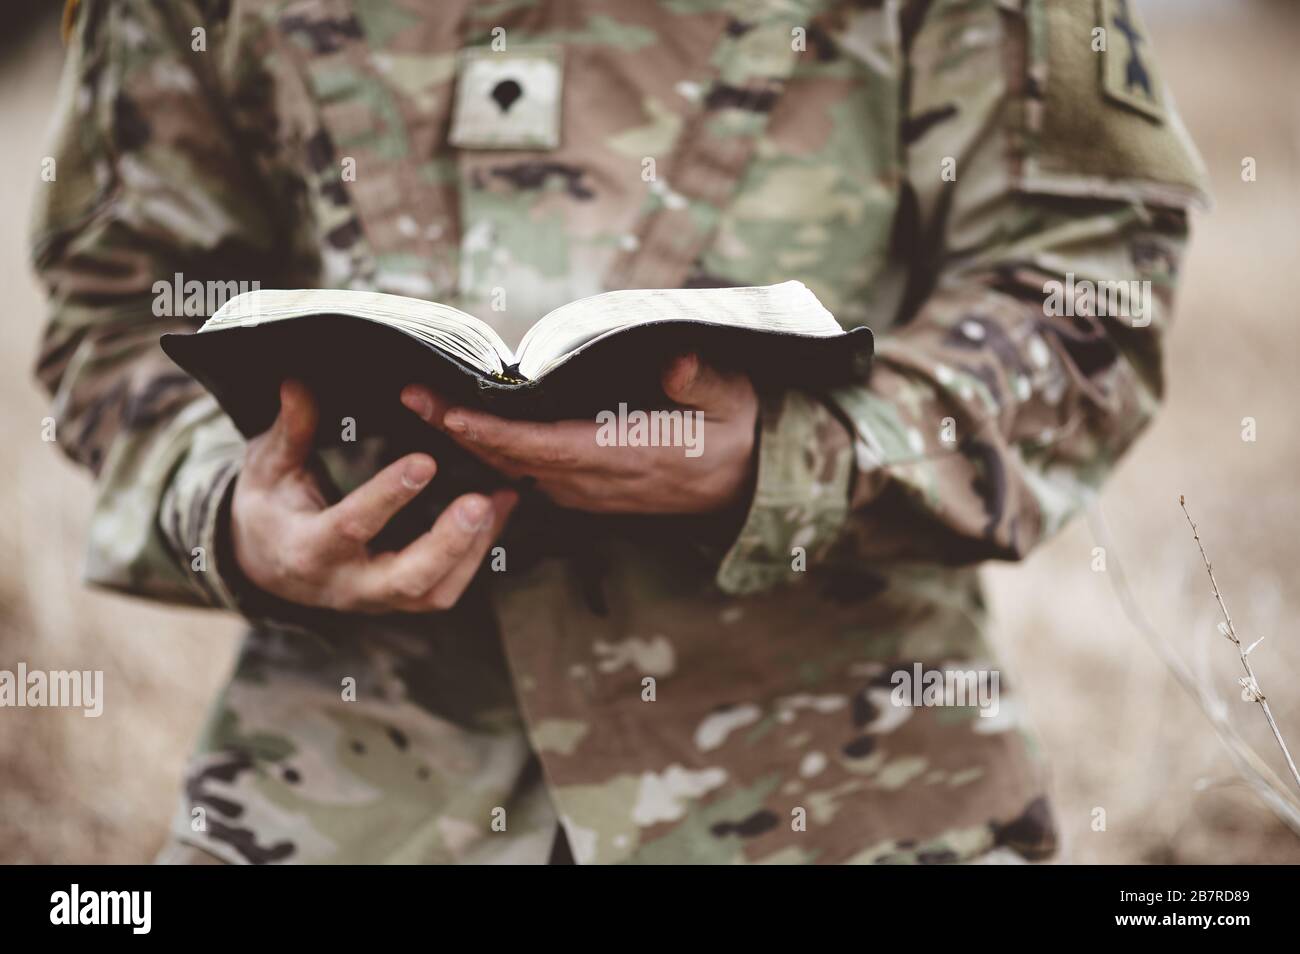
x=924, y=166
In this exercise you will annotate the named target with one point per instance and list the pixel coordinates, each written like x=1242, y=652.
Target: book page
x=451, y=329
x=789, y=307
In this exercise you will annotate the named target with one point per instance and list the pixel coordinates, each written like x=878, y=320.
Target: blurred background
x=1119, y=732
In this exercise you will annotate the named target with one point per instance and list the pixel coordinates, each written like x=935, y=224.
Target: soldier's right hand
x=291, y=543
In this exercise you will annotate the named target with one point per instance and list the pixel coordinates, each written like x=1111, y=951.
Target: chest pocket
x=818, y=201
x=755, y=60
x=368, y=115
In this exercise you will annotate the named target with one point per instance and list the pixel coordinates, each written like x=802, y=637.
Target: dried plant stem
x=1230, y=631
x=1254, y=770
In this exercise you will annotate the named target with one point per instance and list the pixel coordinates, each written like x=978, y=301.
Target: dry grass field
x=1120, y=733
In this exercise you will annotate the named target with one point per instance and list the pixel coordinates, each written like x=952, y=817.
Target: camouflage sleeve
x=154, y=186
x=1043, y=241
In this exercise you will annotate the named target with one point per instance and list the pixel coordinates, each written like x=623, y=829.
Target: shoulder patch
x=1098, y=120
x=1128, y=70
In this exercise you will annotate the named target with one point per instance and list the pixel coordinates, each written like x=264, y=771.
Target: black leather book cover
x=357, y=368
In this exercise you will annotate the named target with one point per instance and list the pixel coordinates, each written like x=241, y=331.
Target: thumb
x=287, y=444
x=690, y=381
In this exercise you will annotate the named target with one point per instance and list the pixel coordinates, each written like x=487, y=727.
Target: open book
x=358, y=349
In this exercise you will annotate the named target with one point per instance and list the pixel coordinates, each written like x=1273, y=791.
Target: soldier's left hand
x=571, y=467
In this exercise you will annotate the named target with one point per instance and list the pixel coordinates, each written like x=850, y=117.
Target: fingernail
x=419, y=402
x=472, y=513
x=417, y=473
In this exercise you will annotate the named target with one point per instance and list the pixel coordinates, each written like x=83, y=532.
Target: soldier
x=716, y=682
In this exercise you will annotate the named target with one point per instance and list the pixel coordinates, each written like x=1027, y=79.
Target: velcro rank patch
x=508, y=99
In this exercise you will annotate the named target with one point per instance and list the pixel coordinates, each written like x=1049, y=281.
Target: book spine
x=511, y=374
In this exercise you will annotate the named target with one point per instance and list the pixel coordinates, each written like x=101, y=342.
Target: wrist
x=800, y=496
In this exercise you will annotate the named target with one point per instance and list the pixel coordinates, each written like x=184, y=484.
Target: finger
x=690, y=381
x=514, y=455
x=358, y=517
x=445, y=594
x=426, y=404
x=289, y=441
x=562, y=444
x=405, y=578
x=432, y=408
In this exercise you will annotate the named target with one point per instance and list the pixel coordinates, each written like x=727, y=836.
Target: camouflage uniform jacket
x=925, y=167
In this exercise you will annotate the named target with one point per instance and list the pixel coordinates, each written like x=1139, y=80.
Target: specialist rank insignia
x=1128, y=68
x=508, y=100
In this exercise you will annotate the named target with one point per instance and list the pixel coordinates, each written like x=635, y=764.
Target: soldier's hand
x=572, y=465
x=290, y=542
